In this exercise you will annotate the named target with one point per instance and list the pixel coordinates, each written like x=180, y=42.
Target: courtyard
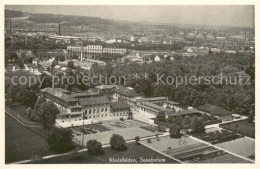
x=102, y=132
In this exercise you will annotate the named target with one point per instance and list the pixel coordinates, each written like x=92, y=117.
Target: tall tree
x=47, y=116
x=60, y=140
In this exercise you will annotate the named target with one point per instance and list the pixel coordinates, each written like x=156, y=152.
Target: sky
x=215, y=15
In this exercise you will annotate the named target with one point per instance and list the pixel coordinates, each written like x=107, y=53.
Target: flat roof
x=214, y=110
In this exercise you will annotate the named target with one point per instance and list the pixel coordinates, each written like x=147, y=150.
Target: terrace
x=102, y=132
x=189, y=150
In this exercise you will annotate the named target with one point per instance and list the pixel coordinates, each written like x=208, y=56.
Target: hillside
x=13, y=14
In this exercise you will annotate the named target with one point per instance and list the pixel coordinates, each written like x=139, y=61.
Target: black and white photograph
x=128, y=84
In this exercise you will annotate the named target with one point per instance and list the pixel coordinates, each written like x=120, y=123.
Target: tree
x=54, y=63
x=29, y=98
x=250, y=117
x=137, y=138
x=48, y=112
x=175, y=131
x=117, y=142
x=94, y=147
x=161, y=116
x=130, y=115
x=13, y=91
x=70, y=64
x=60, y=140
x=38, y=104
x=178, y=121
x=186, y=122
x=198, y=125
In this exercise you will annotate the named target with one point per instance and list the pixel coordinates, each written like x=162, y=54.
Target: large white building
x=93, y=50
x=92, y=107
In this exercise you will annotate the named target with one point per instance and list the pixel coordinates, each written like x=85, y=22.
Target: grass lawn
x=134, y=152
x=241, y=146
x=22, y=143
x=242, y=127
x=166, y=142
x=98, y=127
x=18, y=111
x=150, y=128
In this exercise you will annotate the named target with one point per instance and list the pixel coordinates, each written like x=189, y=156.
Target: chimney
x=10, y=26
x=59, y=30
x=81, y=54
x=52, y=85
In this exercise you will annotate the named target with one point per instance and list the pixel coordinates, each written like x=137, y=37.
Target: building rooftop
x=119, y=105
x=155, y=99
x=57, y=67
x=214, y=110
x=94, y=100
x=125, y=91
x=185, y=112
x=105, y=86
x=64, y=68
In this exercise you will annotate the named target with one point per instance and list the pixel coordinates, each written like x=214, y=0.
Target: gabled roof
x=57, y=67
x=185, y=112
x=94, y=100
x=154, y=106
x=125, y=91
x=119, y=105
x=214, y=110
x=58, y=92
x=64, y=69
x=36, y=59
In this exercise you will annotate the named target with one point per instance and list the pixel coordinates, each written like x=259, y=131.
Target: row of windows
x=99, y=110
x=144, y=109
x=105, y=115
x=119, y=110
x=97, y=48
x=95, y=105
x=75, y=109
x=96, y=116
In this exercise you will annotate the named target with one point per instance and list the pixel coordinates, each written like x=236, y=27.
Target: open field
x=242, y=127
x=241, y=146
x=129, y=129
x=134, y=152
x=189, y=150
x=22, y=143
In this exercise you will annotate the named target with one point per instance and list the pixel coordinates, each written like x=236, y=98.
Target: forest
x=238, y=98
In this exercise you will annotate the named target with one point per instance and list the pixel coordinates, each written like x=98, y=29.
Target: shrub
x=117, y=142
x=94, y=147
x=137, y=138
